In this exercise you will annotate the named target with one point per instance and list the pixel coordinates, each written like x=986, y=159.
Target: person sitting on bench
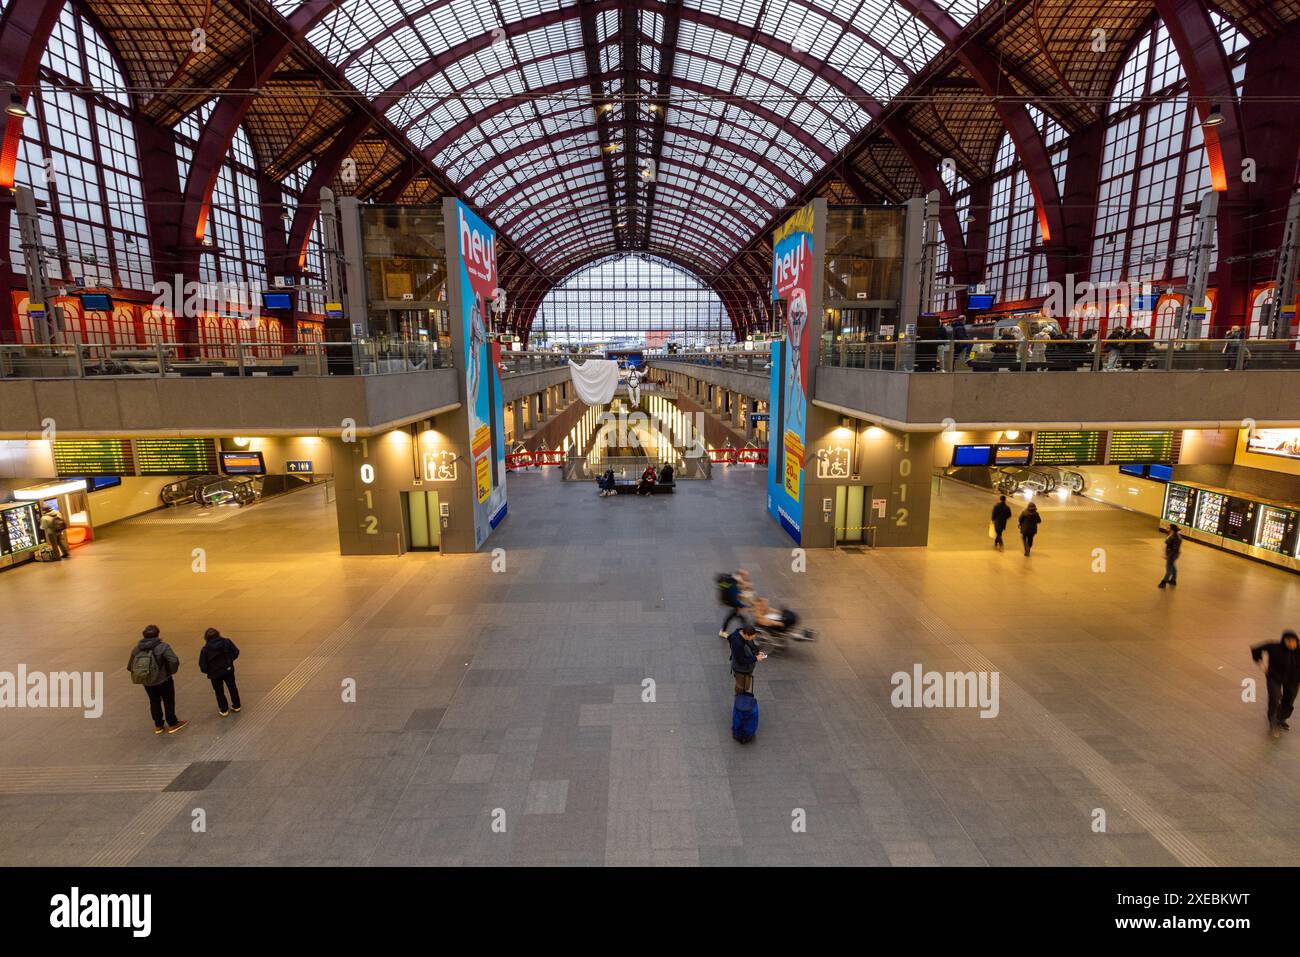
x=666, y=475
x=606, y=482
x=647, y=481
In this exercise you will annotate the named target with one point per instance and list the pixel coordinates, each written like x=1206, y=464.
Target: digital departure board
x=175, y=456
x=93, y=457
x=1140, y=447
x=1067, y=448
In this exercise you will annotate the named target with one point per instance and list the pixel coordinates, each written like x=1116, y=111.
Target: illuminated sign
x=1067, y=448
x=1127, y=447
x=299, y=465
x=93, y=457
x=174, y=456
x=242, y=463
x=1281, y=442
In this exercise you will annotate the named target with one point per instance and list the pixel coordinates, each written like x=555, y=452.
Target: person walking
x=1173, y=546
x=217, y=661
x=1282, y=677
x=744, y=655
x=152, y=664
x=1001, y=515
x=737, y=593
x=961, y=345
x=55, y=530
x=1029, y=522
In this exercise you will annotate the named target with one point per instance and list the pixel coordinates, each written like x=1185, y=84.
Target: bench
x=629, y=488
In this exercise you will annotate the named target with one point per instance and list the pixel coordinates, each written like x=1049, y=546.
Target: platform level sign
x=1067, y=448
x=1134, y=447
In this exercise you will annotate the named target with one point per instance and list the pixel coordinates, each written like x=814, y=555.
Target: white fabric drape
x=596, y=380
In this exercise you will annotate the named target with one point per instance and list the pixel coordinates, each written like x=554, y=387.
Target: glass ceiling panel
x=856, y=49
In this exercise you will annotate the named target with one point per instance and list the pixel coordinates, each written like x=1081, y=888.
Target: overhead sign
x=333, y=310
x=175, y=456
x=299, y=466
x=93, y=457
x=1126, y=447
x=1067, y=448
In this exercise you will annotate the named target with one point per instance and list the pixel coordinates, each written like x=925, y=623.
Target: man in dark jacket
x=217, y=661
x=1029, y=522
x=152, y=664
x=744, y=654
x=1173, y=546
x=1001, y=515
x=1283, y=678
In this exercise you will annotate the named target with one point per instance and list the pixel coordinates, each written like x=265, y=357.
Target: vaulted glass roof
x=587, y=127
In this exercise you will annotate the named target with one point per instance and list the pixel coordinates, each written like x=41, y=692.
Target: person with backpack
x=1173, y=545
x=55, y=530
x=1029, y=522
x=1001, y=515
x=733, y=591
x=152, y=664
x=1282, y=675
x=217, y=661
x=744, y=655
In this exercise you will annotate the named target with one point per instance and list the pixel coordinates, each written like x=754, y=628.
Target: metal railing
x=1045, y=355
x=758, y=363
x=629, y=467
x=72, y=360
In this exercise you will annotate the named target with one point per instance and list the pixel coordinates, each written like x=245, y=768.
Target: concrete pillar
x=517, y=418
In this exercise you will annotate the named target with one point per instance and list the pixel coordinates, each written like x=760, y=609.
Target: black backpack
x=728, y=591
x=218, y=659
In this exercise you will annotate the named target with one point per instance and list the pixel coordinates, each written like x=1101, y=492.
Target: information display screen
x=93, y=457
x=1210, y=511
x=174, y=456
x=1239, y=520
x=1012, y=454
x=972, y=455
x=19, y=528
x=242, y=463
x=1180, y=504
x=1277, y=530
x=1283, y=442
x=1140, y=447
x=1067, y=448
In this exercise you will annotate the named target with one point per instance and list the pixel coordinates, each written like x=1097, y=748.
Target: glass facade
x=631, y=301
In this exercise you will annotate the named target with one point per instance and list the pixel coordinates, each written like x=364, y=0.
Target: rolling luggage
x=744, y=717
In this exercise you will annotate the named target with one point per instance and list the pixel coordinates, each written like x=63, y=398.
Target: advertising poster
x=483, y=396
x=792, y=268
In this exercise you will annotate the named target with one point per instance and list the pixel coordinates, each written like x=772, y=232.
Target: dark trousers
x=1029, y=543
x=219, y=686
x=999, y=529
x=58, y=542
x=1171, y=571
x=1281, y=700
x=162, y=701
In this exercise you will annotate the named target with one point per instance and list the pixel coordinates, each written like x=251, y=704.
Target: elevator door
x=423, y=527
x=849, y=511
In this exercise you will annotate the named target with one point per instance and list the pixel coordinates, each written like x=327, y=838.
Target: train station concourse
x=651, y=433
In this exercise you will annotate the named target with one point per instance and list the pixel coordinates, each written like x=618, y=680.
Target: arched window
x=79, y=156
x=1011, y=272
x=1154, y=167
x=234, y=226
x=313, y=266
x=632, y=301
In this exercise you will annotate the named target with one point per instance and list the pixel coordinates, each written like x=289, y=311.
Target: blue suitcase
x=744, y=717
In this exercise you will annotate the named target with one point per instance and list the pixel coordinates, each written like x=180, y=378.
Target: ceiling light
x=1215, y=117
x=16, y=107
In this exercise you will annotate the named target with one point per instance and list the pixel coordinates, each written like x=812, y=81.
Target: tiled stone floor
x=516, y=697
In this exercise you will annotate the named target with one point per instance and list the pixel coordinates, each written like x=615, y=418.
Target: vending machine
x=19, y=533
